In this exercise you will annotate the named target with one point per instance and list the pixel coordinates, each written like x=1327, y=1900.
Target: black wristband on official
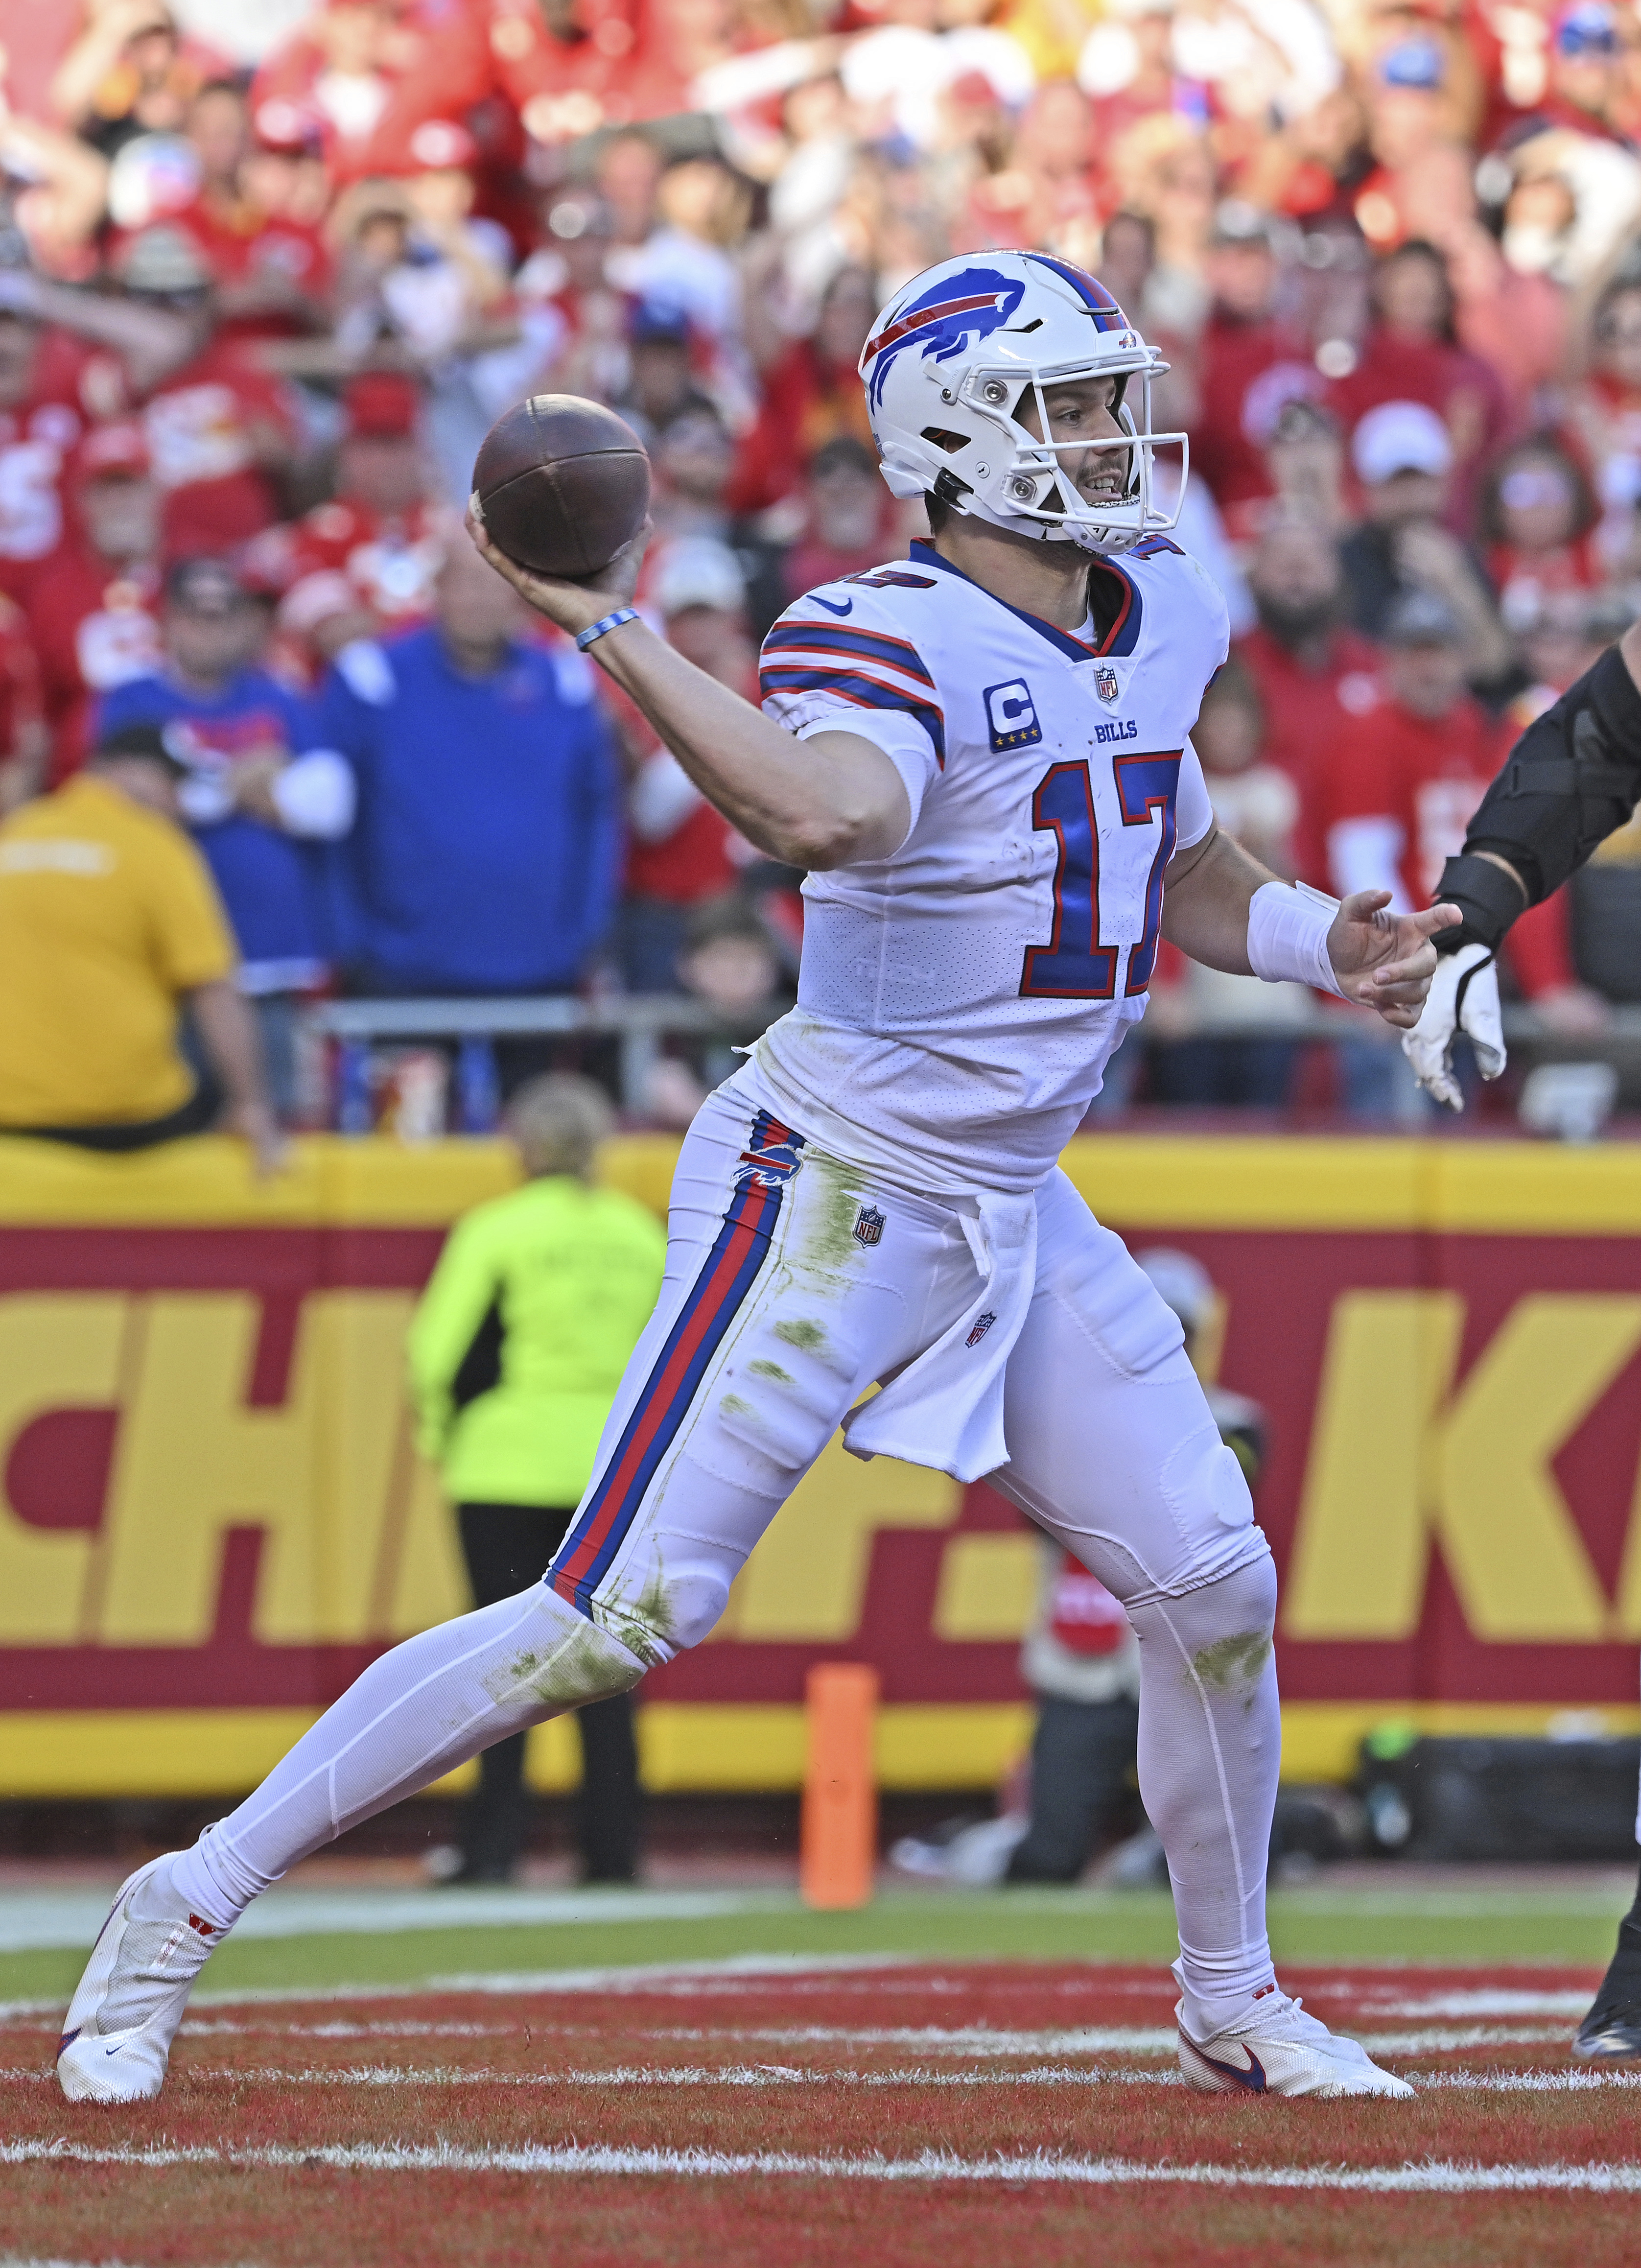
x=1488, y=899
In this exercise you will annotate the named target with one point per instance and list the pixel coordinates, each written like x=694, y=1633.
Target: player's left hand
x=1386, y=960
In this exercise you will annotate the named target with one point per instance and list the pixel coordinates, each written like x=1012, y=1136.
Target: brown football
x=563, y=483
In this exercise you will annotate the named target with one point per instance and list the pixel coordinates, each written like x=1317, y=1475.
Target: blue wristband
x=610, y=623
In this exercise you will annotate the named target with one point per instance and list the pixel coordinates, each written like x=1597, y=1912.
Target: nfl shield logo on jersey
x=1106, y=684
x=982, y=1324
x=869, y=1225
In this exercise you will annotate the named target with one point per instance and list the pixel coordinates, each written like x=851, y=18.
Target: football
x=563, y=483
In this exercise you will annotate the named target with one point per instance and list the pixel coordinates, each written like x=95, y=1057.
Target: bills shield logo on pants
x=869, y=1225
x=771, y=1158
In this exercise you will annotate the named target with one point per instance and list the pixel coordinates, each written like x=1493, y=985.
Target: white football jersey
x=958, y=1001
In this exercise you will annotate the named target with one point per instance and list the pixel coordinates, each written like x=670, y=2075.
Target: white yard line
x=1573, y=2081
x=1428, y=2177
x=1490, y=2000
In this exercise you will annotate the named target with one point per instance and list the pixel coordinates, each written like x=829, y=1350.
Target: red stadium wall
x=211, y=1515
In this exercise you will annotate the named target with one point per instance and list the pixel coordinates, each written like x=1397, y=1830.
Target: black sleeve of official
x=1572, y=777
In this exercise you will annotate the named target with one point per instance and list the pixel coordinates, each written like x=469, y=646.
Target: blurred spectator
x=660, y=376
x=271, y=269
x=1405, y=783
x=846, y=520
x=372, y=74
x=110, y=926
x=680, y=851
x=1252, y=362
x=95, y=608
x=263, y=801
x=363, y=563
x=729, y=961
x=220, y=428
x=811, y=395
x=1603, y=417
x=683, y=264
x=1411, y=354
x=693, y=456
x=1535, y=521
x=1403, y=456
x=24, y=742
x=516, y=1350
x=486, y=854
x=1214, y=1065
x=52, y=383
x=583, y=317
x=128, y=73
x=1305, y=465
x=1311, y=672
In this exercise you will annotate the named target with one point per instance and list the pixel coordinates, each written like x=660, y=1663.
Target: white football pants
x=775, y=1317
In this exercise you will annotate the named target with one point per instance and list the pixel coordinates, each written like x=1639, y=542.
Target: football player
x=1572, y=777
x=980, y=754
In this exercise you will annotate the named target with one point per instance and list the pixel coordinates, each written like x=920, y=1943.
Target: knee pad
x=674, y=1609
x=562, y=1659
x=1207, y=1495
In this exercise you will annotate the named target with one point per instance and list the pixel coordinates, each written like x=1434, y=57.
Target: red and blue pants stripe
x=717, y=1296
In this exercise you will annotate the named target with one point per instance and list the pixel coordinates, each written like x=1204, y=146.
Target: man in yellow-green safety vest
x=515, y=1353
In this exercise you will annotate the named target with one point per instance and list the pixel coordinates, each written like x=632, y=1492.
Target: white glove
x=1463, y=998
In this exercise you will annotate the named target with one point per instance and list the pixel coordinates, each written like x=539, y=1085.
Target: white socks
x=1209, y=1747
x=415, y=1714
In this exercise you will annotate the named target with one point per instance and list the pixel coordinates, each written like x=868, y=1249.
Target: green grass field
x=1312, y=1924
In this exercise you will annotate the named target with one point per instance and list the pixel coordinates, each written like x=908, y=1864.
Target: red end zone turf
x=887, y=2114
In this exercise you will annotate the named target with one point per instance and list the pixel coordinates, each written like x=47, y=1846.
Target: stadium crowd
x=267, y=274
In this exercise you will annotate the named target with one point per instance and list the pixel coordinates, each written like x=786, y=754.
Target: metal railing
x=640, y=1024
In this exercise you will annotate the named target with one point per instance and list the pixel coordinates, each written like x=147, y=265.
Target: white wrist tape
x=1287, y=935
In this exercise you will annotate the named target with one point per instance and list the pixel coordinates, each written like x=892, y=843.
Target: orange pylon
x=840, y=1816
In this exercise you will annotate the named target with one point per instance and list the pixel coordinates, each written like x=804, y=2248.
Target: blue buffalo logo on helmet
x=959, y=372
x=959, y=311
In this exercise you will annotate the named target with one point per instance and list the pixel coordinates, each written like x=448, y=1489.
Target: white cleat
x=117, y=2035
x=1277, y=2048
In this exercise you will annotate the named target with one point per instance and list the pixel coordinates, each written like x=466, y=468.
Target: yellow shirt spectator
x=107, y=913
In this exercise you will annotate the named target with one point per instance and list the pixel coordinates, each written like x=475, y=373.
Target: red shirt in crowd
x=1466, y=393
x=202, y=426
x=1525, y=579
x=1305, y=710
x=806, y=403
x=1248, y=372
x=243, y=245
x=36, y=439
x=1427, y=776
x=94, y=627
x=389, y=559
x=439, y=68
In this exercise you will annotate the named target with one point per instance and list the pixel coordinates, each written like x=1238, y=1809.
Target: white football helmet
x=953, y=357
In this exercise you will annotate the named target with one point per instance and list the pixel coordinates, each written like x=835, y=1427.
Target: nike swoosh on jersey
x=848, y=607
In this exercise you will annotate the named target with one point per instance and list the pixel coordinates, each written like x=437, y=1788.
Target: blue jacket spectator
x=263, y=803
x=486, y=856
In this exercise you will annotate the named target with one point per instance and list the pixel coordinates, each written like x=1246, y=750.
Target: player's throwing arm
x=1572, y=777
